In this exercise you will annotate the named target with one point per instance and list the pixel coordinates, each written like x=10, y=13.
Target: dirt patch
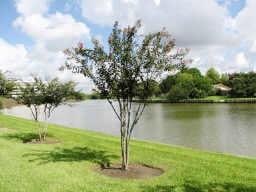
x=135, y=171
x=46, y=141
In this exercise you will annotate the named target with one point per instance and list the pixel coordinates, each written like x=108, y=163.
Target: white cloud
x=23, y=63
x=246, y=23
x=30, y=7
x=241, y=60
x=51, y=33
x=203, y=26
x=13, y=57
x=190, y=22
x=56, y=31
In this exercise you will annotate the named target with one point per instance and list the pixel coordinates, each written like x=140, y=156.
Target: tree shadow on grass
x=196, y=187
x=24, y=137
x=72, y=154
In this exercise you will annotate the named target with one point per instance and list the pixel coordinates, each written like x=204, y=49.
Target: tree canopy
x=242, y=84
x=43, y=97
x=186, y=84
x=213, y=75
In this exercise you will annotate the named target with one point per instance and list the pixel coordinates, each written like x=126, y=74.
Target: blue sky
x=234, y=7
x=220, y=33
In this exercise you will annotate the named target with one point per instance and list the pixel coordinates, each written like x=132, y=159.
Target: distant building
x=19, y=83
x=221, y=89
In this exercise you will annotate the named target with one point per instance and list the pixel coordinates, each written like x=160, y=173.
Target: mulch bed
x=135, y=171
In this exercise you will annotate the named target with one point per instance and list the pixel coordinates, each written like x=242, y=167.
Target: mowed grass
x=216, y=98
x=70, y=165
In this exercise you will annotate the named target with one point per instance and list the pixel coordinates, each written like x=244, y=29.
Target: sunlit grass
x=69, y=165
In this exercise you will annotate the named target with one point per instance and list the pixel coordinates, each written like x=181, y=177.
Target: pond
x=228, y=128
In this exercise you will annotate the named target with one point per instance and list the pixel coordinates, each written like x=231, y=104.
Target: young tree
x=125, y=70
x=32, y=95
x=55, y=94
x=43, y=97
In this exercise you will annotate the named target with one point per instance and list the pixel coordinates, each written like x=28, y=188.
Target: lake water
x=228, y=128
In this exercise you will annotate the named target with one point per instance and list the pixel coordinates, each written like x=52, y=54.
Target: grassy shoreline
x=69, y=165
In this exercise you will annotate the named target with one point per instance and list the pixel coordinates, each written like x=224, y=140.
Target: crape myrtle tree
x=43, y=97
x=124, y=71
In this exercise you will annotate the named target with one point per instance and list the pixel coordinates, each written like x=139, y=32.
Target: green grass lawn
x=69, y=165
x=216, y=98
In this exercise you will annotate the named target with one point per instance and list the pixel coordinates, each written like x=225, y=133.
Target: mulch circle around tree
x=46, y=141
x=135, y=171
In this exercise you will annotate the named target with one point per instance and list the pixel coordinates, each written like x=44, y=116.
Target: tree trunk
x=39, y=130
x=124, y=137
x=123, y=154
x=45, y=126
x=126, y=152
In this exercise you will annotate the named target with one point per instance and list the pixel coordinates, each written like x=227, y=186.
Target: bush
x=178, y=93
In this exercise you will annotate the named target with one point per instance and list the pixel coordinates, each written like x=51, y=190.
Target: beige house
x=221, y=89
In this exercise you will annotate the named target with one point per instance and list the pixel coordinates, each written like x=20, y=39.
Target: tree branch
x=138, y=115
x=113, y=107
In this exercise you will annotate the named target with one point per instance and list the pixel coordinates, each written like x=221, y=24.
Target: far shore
x=212, y=99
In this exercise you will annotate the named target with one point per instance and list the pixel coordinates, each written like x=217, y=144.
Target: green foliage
x=213, y=75
x=193, y=71
x=56, y=93
x=178, y=92
x=224, y=78
x=182, y=88
x=52, y=93
x=153, y=89
x=78, y=96
x=95, y=95
x=46, y=96
x=242, y=84
x=6, y=86
x=167, y=83
x=130, y=62
x=1, y=103
x=187, y=84
x=32, y=94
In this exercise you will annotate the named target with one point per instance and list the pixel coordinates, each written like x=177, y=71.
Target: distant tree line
x=242, y=84
x=190, y=83
x=6, y=86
